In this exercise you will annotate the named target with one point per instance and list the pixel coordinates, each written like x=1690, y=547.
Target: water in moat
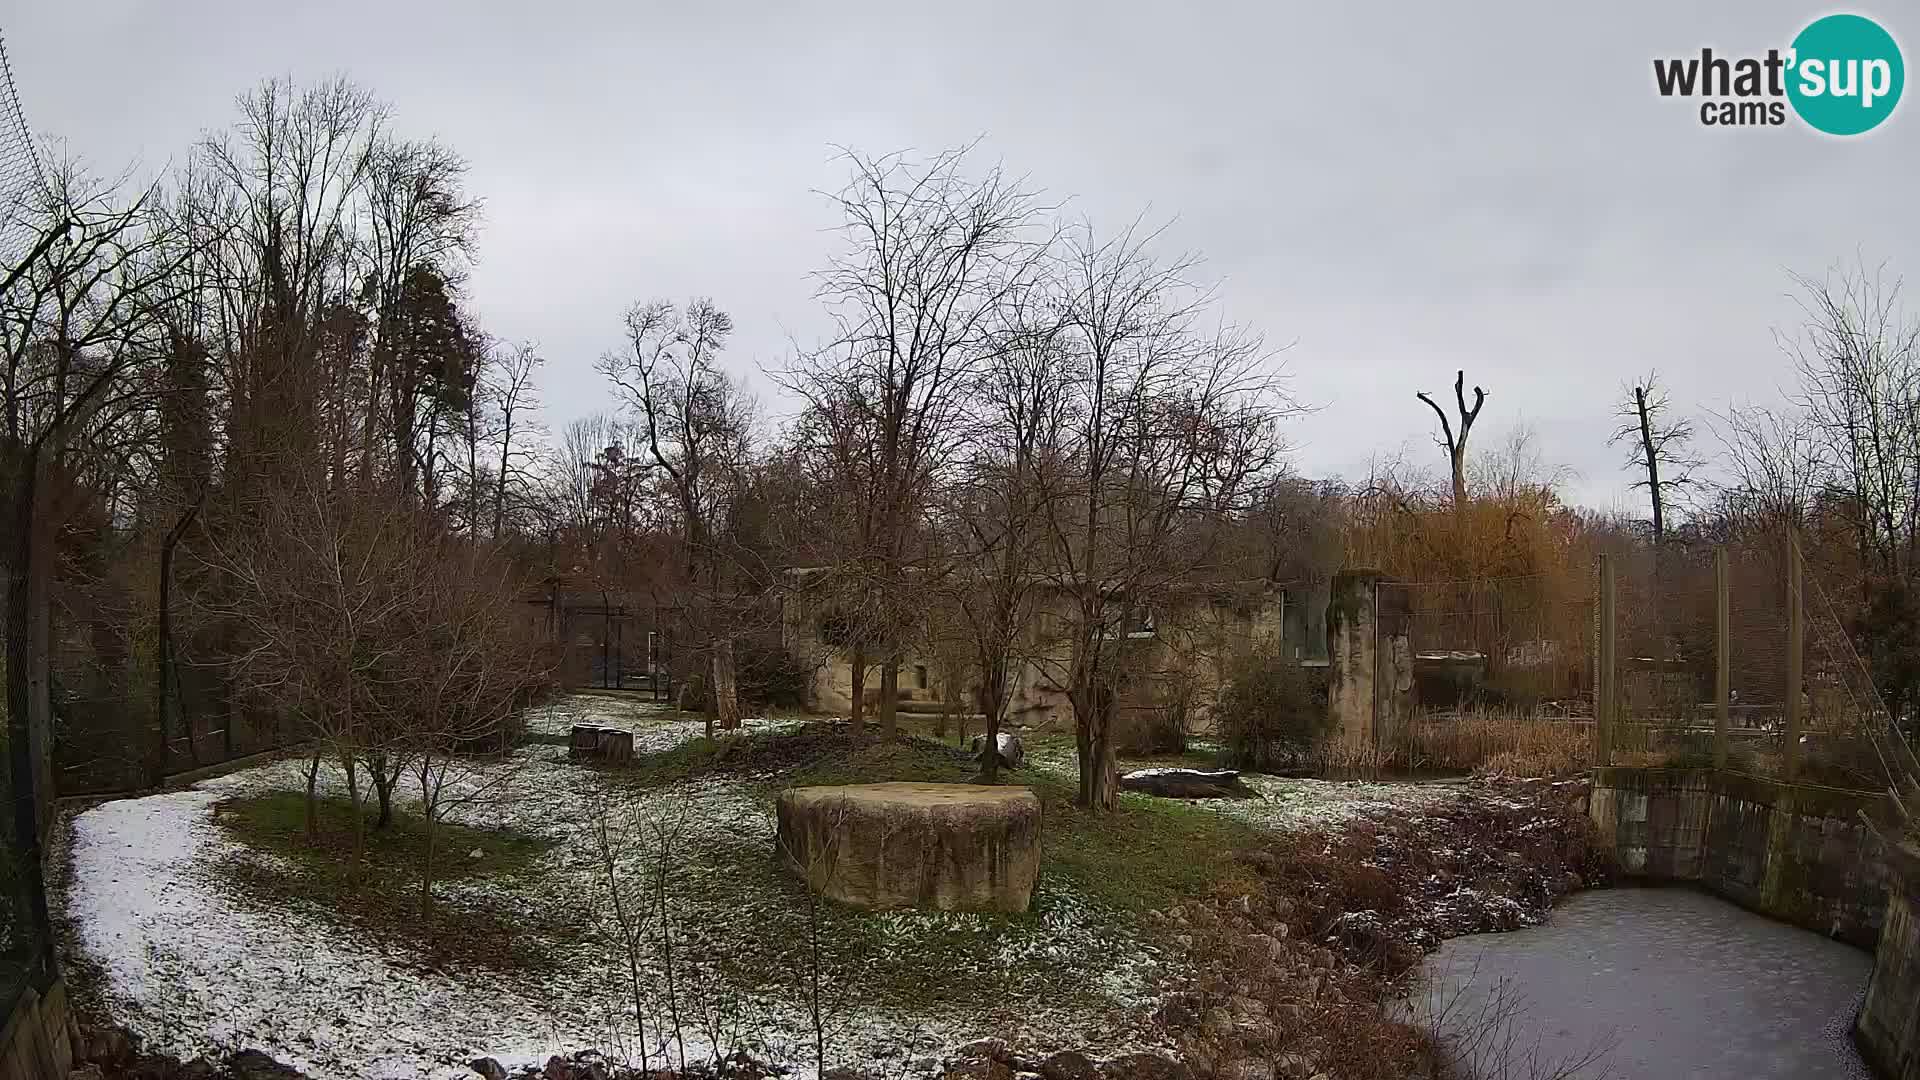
x=1658, y=983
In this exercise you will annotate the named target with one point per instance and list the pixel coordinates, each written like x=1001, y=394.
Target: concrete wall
x=1888, y=1028
x=1370, y=661
x=1179, y=660
x=33, y=1042
x=1794, y=852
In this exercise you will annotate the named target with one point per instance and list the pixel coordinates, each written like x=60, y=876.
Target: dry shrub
x=1501, y=742
x=1336, y=757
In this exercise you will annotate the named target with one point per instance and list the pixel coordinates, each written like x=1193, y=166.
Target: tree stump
x=955, y=847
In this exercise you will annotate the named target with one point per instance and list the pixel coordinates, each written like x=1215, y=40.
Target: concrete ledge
x=1795, y=852
x=1887, y=1031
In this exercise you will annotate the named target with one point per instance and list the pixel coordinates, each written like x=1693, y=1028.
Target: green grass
x=381, y=895
x=276, y=822
x=1099, y=873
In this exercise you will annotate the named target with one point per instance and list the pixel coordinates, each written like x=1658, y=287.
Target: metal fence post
x=1606, y=701
x=1723, y=655
x=1796, y=633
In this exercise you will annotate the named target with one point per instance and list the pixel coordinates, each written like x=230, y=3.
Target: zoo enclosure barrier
x=1731, y=656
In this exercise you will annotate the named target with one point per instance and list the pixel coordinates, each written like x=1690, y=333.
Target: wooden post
x=1796, y=645
x=1606, y=703
x=1723, y=655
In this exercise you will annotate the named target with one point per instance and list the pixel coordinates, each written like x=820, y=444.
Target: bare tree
x=515, y=397
x=1456, y=444
x=994, y=510
x=1659, y=446
x=1170, y=429
x=931, y=254
x=1776, y=462
x=696, y=424
x=1858, y=360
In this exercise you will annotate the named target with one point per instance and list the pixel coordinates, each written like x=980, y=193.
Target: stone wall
x=1369, y=662
x=33, y=1042
x=1794, y=852
x=1888, y=1028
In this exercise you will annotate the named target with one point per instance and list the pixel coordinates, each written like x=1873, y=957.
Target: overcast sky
x=1398, y=190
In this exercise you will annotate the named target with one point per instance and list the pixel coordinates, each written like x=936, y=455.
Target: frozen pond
x=1665, y=982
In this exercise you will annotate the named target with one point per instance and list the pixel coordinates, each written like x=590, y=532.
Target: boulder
x=955, y=847
x=1186, y=783
x=488, y=1068
x=1069, y=1065
x=1012, y=754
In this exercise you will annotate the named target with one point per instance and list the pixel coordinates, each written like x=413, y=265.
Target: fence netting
x=25, y=946
x=1667, y=645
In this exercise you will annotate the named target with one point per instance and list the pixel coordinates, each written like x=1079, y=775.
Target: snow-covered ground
x=196, y=967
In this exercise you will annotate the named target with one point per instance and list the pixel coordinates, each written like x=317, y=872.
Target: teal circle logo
x=1846, y=74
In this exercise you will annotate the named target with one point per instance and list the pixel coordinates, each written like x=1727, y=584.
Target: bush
x=1271, y=713
x=769, y=677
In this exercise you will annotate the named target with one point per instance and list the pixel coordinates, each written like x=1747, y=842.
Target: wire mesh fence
x=1736, y=637
x=25, y=936
x=1725, y=655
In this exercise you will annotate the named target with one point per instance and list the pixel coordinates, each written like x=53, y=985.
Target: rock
x=1244, y=1007
x=965, y=847
x=1267, y=946
x=989, y=1049
x=1069, y=1065
x=1012, y=754
x=88, y=1071
x=1246, y=1069
x=1186, y=783
x=255, y=1065
x=476, y=853
x=976, y=1069
x=198, y=1069
x=488, y=1068
x=558, y=1068
x=1144, y=1066
x=844, y=1073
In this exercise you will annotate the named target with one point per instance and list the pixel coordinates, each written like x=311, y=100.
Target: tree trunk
x=857, y=676
x=1093, y=710
x=890, y=701
x=359, y=818
x=726, y=689
x=313, y=799
x=1652, y=456
x=1458, y=459
x=993, y=700
x=383, y=784
x=163, y=676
